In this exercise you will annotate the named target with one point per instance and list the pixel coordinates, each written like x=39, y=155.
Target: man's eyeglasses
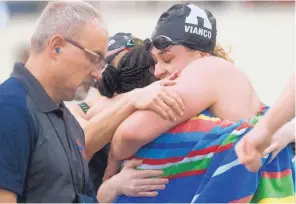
x=97, y=59
x=163, y=42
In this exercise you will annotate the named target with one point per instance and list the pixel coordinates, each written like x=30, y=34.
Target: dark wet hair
x=133, y=71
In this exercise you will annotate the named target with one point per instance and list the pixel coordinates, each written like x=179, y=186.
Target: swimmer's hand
x=132, y=182
x=156, y=97
x=112, y=168
x=170, y=80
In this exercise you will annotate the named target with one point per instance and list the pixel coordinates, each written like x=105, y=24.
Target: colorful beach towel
x=199, y=159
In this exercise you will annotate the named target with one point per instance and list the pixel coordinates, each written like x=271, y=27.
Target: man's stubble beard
x=82, y=92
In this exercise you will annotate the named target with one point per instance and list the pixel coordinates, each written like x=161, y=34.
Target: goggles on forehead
x=163, y=42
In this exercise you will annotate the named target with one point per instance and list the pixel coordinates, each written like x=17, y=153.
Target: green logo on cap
x=130, y=43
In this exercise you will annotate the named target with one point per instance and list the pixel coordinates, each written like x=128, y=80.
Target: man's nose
x=96, y=74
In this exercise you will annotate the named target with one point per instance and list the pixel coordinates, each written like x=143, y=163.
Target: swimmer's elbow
x=121, y=151
x=125, y=144
x=128, y=132
x=131, y=134
x=119, y=155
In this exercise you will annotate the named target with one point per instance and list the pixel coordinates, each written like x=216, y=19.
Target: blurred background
x=261, y=35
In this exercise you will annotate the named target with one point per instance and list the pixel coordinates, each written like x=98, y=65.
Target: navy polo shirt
x=42, y=145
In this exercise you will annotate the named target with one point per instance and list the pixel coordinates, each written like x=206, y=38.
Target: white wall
x=262, y=40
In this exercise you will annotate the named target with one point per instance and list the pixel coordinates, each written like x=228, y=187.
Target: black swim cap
x=117, y=43
x=189, y=25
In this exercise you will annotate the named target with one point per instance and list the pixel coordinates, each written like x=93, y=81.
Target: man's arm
x=251, y=147
x=7, y=196
x=282, y=138
x=282, y=111
x=197, y=92
x=16, y=138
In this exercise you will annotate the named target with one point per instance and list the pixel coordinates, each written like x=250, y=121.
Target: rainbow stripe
x=275, y=186
x=199, y=159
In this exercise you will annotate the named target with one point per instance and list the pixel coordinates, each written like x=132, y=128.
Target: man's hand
x=283, y=137
x=156, y=97
x=250, y=148
x=131, y=182
x=256, y=144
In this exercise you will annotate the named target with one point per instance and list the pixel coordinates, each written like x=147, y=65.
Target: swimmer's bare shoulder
x=236, y=97
x=211, y=64
x=212, y=69
x=224, y=73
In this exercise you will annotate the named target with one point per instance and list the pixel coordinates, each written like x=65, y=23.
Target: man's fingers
x=162, y=104
x=150, y=188
x=270, y=149
x=255, y=165
x=147, y=194
x=240, y=151
x=148, y=173
x=274, y=154
x=152, y=181
x=244, y=152
x=133, y=164
x=250, y=156
x=253, y=162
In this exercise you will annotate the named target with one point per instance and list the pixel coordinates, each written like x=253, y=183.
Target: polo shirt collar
x=35, y=90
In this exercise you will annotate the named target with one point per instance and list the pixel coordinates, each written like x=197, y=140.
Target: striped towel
x=199, y=159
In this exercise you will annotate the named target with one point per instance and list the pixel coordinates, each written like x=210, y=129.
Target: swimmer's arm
x=77, y=111
x=101, y=120
x=198, y=93
x=102, y=104
x=100, y=129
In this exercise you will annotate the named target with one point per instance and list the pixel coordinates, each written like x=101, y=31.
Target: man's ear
x=55, y=45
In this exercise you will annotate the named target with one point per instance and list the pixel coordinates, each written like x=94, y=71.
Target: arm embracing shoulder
x=197, y=92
